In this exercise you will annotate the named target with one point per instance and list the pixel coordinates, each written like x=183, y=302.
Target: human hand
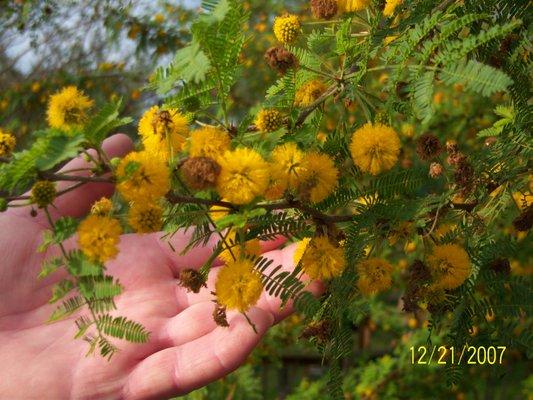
x=186, y=349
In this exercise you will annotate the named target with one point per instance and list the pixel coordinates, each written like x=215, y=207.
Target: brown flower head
x=501, y=266
x=464, y=174
x=192, y=280
x=280, y=59
x=523, y=222
x=324, y=9
x=319, y=330
x=428, y=146
x=219, y=315
x=200, y=172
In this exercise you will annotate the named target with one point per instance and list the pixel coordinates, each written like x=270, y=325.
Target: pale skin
x=186, y=350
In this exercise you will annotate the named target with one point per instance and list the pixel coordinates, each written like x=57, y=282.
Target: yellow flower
x=67, y=109
x=145, y=217
x=102, y=207
x=7, y=143
x=287, y=28
x=243, y=176
x=449, y=265
x=318, y=178
x=375, y=148
x=141, y=176
x=43, y=193
x=163, y=131
x=309, y=92
x=238, y=286
x=322, y=260
x=98, y=237
x=300, y=250
x=374, y=275
x=218, y=212
x=209, y=142
x=269, y=120
x=352, y=5
x=252, y=248
x=390, y=6
x=287, y=165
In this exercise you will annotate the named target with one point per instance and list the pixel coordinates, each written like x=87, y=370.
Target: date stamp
x=450, y=355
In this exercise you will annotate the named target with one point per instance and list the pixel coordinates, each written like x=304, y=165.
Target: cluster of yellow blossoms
x=67, y=109
x=7, y=143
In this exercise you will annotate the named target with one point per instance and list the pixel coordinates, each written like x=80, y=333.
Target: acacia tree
x=370, y=145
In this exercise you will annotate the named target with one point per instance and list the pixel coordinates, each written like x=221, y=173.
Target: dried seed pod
x=324, y=9
x=192, y=280
x=281, y=59
x=200, y=172
x=428, y=146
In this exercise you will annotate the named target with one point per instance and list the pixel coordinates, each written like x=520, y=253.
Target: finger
x=179, y=370
x=190, y=324
x=78, y=202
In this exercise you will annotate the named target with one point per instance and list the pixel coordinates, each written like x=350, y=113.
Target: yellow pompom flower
x=209, y=142
x=67, y=109
x=163, y=131
x=375, y=148
x=145, y=217
x=7, y=143
x=287, y=165
x=322, y=259
x=449, y=265
x=102, y=207
x=252, y=248
x=98, y=237
x=287, y=28
x=352, y=5
x=269, y=120
x=43, y=193
x=142, y=176
x=244, y=176
x=374, y=275
x=238, y=285
x=318, y=178
x=309, y=92
x=390, y=6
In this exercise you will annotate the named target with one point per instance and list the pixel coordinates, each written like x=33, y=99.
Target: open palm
x=186, y=349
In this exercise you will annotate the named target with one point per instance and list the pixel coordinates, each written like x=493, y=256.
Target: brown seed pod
x=200, y=172
x=501, y=266
x=523, y=222
x=319, y=330
x=219, y=315
x=280, y=59
x=324, y=9
x=192, y=280
x=428, y=146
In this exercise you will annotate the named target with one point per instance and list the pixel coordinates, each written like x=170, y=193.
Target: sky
x=28, y=55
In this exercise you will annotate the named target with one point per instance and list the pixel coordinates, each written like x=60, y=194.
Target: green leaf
x=477, y=77
x=50, y=266
x=59, y=148
x=61, y=289
x=123, y=328
x=68, y=307
x=191, y=64
x=99, y=287
x=79, y=265
x=104, y=122
x=64, y=228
